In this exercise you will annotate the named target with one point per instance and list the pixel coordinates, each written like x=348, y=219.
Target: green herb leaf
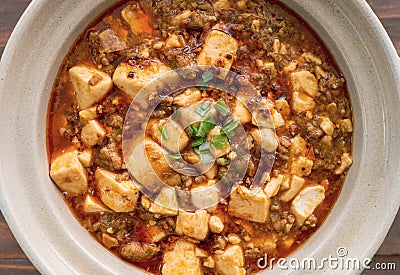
x=207, y=77
x=204, y=128
x=197, y=142
x=222, y=161
x=163, y=132
x=175, y=156
x=220, y=141
x=222, y=108
x=192, y=130
x=206, y=157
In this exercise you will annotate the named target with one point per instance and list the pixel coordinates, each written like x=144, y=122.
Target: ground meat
x=139, y=251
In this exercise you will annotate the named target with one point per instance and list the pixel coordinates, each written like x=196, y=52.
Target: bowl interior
x=53, y=238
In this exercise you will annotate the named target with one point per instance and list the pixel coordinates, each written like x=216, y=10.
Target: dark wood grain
x=14, y=261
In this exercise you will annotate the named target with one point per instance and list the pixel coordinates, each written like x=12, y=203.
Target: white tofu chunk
x=327, y=126
x=345, y=162
x=189, y=96
x=120, y=196
x=88, y=114
x=272, y=187
x=246, y=205
x=90, y=85
x=68, y=173
x=295, y=185
x=282, y=106
x=216, y=225
x=240, y=111
x=130, y=79
x=304, y=82
x=205, y=197
x=175, y=139
x=302, y=102
x=231, y=261
x=175, y=41
x=193, y=225
x=346, y=125
x=138, y=21
x=306, y=201
x=181, y=260
x=93, y=133
x=219, y=50
x=301, y=166
x=264, y=138
x=221, y=4
x=86, y=157
x=298, y=146
x=165, y=203
x=277, y=118
x=92, y=205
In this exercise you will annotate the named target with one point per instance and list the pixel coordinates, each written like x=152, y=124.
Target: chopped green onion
x=204, y=128
x=221, y=175
x=206, y=157
x=192, y=130
x=220, y=141
x=204, y=108
x=229, y=126
x=230, y=134
x=222, y=108
x=197, y=142
x=205, y=146
x=163, y=132
x=207, y=77
x=202, y=86
x=175, y=156
x=222, y=161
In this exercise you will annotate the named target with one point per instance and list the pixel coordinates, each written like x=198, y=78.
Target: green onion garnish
x=175, y=156
x=205, y=147
x=163, y=132
x=197, y=142
x=222, y=161
x=204, y=128
x=192, y=130
x=206, y=157
x=229, y=126
x=220, y=141
x=207, y=77
x=221, y=108
x=204, y=108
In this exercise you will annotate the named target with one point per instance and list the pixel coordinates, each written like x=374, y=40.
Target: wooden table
x=12, y=258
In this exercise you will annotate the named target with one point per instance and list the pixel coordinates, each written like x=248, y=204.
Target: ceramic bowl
x=54, y=240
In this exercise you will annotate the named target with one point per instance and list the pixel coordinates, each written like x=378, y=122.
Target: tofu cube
x=219, y=50
x=137, y=19
x=93, y=133
x=327, y=126
x=131, y=79
x=304, y=82
x=231, y=261
x=216, y=225
x=86, y=157
x=189, y=96
x=306, y=201
x=264, y=138
x=246, y=205
x=182, y=260
x=175, y=139
x=302, y=102
x=165, y=203
x=345, y=163
x=68, y=173
x=295, y=185
x=88, y=114
x=92, y=205
x=120, y=196
x=193, y=225
x=272, y=187
x=301, y=166
x=241, y=112
x=205, y=197
x=90, y=85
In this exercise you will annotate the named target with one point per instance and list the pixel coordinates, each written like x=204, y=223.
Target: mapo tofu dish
x=196, y=137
